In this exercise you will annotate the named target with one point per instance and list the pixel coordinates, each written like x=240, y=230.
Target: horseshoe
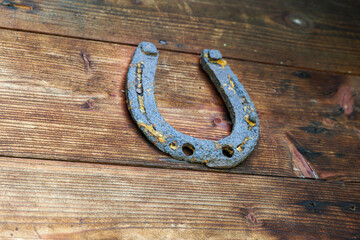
x=225, y=153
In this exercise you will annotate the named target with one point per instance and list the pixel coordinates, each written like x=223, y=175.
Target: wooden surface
x=88, y=201
x=78, y=112
x=319, y=34
x=74, y=166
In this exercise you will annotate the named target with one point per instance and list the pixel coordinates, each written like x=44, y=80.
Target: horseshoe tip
x=215, y=55
x=148, y=48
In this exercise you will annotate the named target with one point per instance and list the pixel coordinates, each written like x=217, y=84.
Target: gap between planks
x=210, y=170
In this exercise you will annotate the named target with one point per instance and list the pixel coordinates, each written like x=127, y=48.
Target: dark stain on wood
x=315, y=127
x=287, y=88
x=308, y=153
x=340, y=155
x=338, y=111
x=89, y=104
x=321, y=206
x=326, y=85
x=313, y=206
x=285, y=85
x=302, y=74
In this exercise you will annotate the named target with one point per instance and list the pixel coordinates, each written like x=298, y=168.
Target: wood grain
x=321, y=35
x=59, y=200
x=62, y=99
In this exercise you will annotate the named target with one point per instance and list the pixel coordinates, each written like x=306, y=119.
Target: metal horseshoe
x=225, y=153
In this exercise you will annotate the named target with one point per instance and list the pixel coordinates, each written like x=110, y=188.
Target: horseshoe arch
x=225, y=153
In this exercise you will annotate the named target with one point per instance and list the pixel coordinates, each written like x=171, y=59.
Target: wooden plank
x=59, y=200
x=316, y=35
x=62, y=99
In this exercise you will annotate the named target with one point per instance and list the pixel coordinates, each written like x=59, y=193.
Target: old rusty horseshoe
x=225, y=153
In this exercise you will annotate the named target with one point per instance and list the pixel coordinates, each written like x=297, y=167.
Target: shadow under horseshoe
x=225, y=153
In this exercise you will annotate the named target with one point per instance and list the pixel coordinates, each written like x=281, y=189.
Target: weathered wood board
x=62, y=80
x=60, y=200
x=321, y=35
x=62, y=98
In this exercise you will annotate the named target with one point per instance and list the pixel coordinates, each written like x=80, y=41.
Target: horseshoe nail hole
x=173, y=145
x=188, y=149
x=228, y=151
